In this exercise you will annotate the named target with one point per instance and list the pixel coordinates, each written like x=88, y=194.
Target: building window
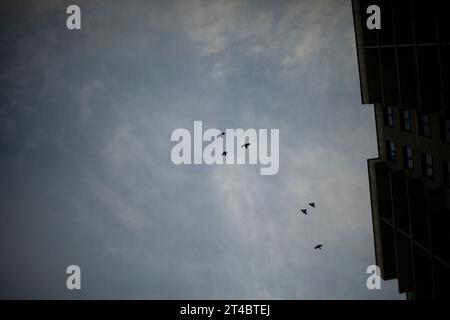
x=445, y=130
x=408, y=157
x=389, y=116
x=425, y=125
x=406, y=120
x=427, y=165
x=391, y=152
x=446, y=171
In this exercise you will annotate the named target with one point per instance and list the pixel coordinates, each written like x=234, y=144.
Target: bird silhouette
x=224, y=153
x=304, y=211
x=246, y=145
x=221, y=134
x=319, y=246
x=312, y=204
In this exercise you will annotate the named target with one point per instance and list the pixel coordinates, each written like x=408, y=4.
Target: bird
x=304, y=211
x=221, y=134
x=245, y=145
x=312, y=204
x=224, y=153
x=319, y=246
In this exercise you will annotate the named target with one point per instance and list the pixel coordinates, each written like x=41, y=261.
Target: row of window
x=423, y=123
x=427, y=162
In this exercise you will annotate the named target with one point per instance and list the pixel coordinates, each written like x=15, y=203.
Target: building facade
x=404, y=72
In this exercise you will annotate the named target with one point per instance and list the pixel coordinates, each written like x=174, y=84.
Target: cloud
x=217, y=25
x=105, y=195
x=298, y=33
x=220, y=70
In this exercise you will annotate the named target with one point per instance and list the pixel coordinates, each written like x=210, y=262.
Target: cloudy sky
x=85, y=171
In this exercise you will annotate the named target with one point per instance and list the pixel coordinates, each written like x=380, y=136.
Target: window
x=390, y=151
x=446, y=172
x=408, y=157
x=389, y=116
x=425, y=125
x=427, y=165
x=445, y=130
x=406, y=120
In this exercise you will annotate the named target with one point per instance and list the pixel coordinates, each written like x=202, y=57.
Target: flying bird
x=224, y=153
x=312, y=204
x=221, y=134
x=245, y=145
x=319, y=246
x=304, y=211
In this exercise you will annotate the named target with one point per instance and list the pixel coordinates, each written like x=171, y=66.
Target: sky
x=86, y=177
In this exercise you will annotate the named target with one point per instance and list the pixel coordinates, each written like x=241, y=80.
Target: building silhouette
x=404, y=72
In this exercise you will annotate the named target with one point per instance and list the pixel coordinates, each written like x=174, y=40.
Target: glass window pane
x=406, y=120
x=390, y=150
x=389, y=116
x=409, y=152
x=425, y=125
x=447, y=130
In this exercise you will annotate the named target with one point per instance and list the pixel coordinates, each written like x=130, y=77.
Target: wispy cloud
x=85, y=163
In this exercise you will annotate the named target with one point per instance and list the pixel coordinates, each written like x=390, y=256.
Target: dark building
x=404, y=72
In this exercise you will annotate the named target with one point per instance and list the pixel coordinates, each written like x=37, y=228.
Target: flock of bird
x=224, y=153
x=304, y=211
